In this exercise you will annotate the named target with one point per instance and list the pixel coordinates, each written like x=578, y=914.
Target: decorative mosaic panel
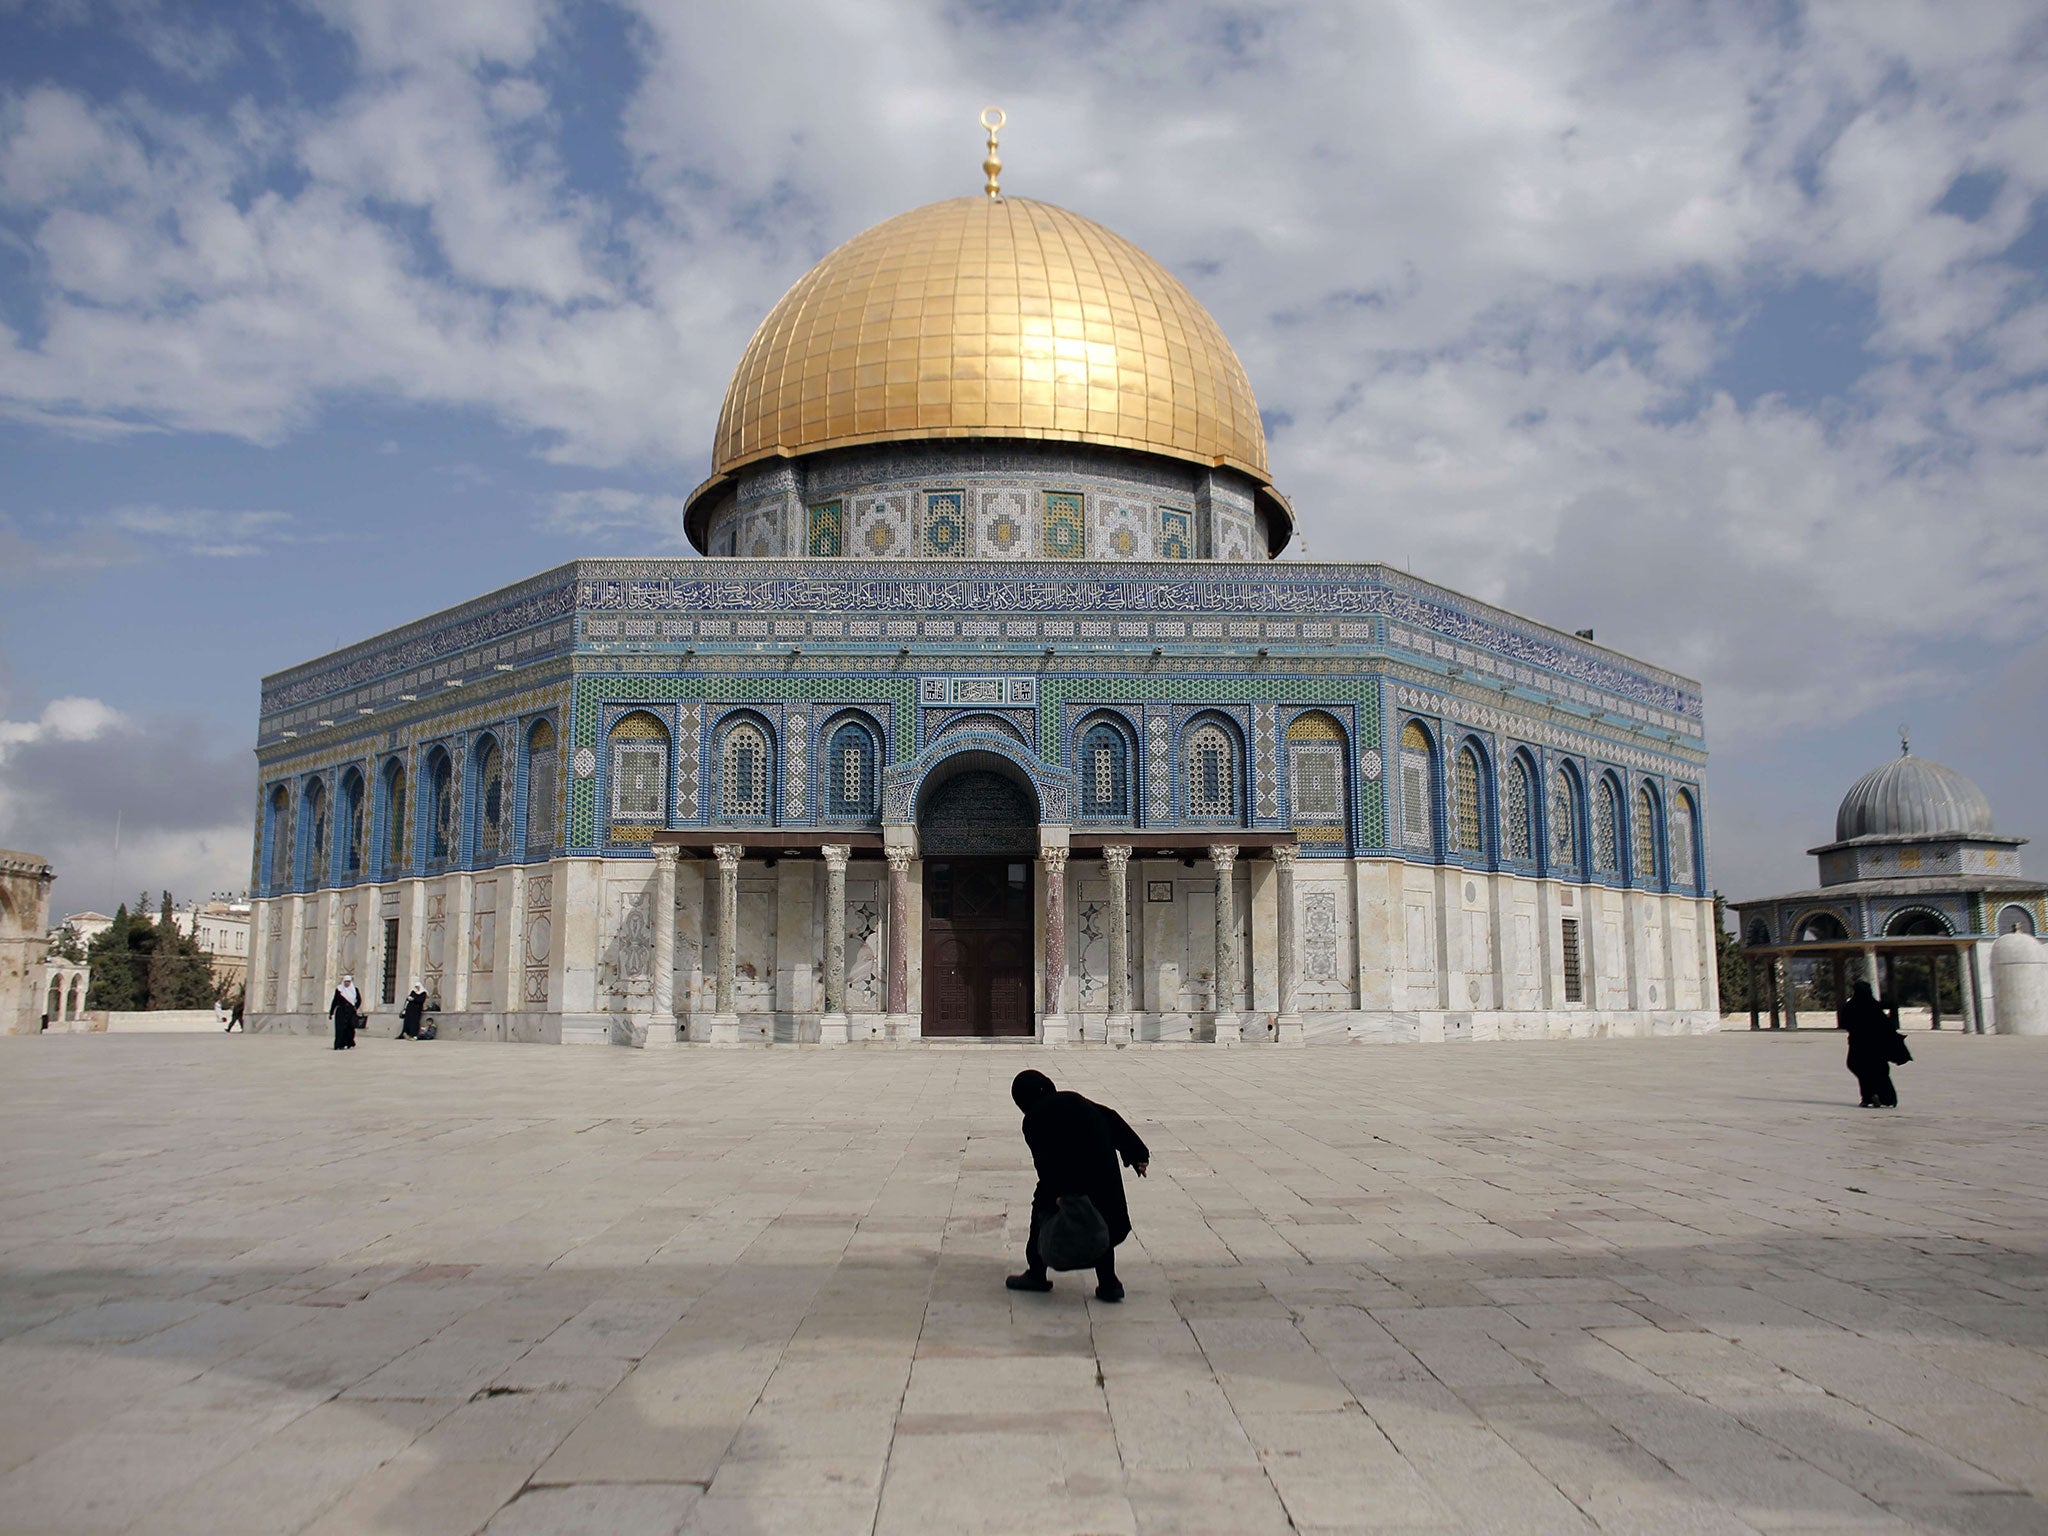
x=1265, y=762
x=1233, y=536
x=1122, y=529
x=760, y=535
x=942, y=530
x=1004, y=520
x=796, y=785
x=828, y=530
x=1066, y=528
x=689, y=776
x=1176, y=534
x=538, y=938
x=881, y=527
x=1158, y=766
x=1320, y=932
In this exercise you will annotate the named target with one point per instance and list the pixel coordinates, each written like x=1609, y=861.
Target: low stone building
x=24, y=938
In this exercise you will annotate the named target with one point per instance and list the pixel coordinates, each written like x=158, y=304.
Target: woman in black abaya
x=346, y=1009
x=1872, y=1039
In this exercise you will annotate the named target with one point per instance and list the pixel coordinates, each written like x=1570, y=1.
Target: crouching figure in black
x=1075, y=1144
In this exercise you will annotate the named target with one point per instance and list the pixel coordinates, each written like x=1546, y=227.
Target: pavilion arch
x=850, y=762
x=351, y=823
x=904, y=784
x=1472, y=795
x=1819, y=925
x=1917, y=922
x=438, y=830
x=1646, y=836
x=489, y=792
x=1318, y=774
x=1608, y=824
x=53, y=1004
x=1214, y=776
x=541, y=815
x=316, y=824
x=1564, y=822
x=2014, y=918
x=983, y=723
x=745, y=786
x=1682, y=835
x=74, y=1000
x=391, y=825
x=277, y=840
x=637, y=776
x=1521, y=802
x=1421, y=783
x=1759, y=934
x=977, y=801
x=1105, y=768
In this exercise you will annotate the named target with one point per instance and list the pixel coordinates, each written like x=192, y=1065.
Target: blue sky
x=1722, y=330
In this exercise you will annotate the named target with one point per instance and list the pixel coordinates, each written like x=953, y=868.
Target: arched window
x=639, y=777
x=1606, y=829
x=1471, y=828
x=1418, y=789
x=354, y=825
x=72, y=1001
x=1317, y=773
x=440, y=807
x=1644, y=839
x=1212, y=774
x=1564, y=822
x=743, y=768
x=490, y=800
x=1104, y=768
x=1683, y=869
x=394, y=819
x=851, y=758
x=542, y=787
x=1517, y=826
x=2011, y=919
x=278, y=839
x=53, y=1005
x=316, y=813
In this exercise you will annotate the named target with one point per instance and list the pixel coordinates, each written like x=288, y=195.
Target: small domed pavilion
x=1916, y=871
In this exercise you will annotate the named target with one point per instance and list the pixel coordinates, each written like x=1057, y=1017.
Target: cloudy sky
x=1719, y=328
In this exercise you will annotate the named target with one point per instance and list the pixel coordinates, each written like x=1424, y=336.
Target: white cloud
x=604, y=511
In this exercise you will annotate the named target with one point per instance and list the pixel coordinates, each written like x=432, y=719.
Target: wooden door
x=977, y=947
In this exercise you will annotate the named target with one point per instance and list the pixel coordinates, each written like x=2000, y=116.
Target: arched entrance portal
x=977, y=830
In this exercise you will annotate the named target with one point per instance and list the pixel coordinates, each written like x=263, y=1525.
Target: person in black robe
x=1075, y=1144
x=1872, y=1032
x=235, y=1013
x=415, y=1008
x=346, y=1009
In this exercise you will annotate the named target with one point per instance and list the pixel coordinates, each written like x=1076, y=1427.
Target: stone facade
x=766, y=739
x=24, y=939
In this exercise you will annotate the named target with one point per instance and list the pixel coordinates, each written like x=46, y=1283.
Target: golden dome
x=983, y=317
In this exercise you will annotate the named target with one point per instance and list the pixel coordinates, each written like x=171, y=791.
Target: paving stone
x=1672, y=1288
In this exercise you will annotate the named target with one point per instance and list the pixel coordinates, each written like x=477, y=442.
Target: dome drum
x=994, y=500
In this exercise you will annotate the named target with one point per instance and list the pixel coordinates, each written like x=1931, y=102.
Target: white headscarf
x=348, y=991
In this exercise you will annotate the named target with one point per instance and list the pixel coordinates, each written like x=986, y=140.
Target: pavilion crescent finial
x=993, y=118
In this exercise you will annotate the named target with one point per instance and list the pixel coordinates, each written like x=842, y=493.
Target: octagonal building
x=987, y=712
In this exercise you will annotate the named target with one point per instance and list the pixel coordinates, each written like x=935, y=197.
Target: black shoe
x=1028, y=1282
x=1111, y=1293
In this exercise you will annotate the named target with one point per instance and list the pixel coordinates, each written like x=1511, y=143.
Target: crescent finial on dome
x=993, y=118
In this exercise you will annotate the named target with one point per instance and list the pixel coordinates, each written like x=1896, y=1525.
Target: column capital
x=836, y=855
x=1223, y=856
x=1284, y=855
x=666, y=853
x=1055, y=860
x=1116, y=857
x=728, y=855
x=899, y=856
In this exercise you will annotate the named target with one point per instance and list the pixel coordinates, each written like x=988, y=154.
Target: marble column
x=1287, y=1023
x=661, y=1029
x=294, y=941
x=1052, y=1026
x=458, y=940
x=896, y=992
x=1229, y=1028
x=1116, y=868
x=832, y=1027
x=725, y=1023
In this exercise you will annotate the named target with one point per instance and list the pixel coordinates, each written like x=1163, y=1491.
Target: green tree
x=119, y=958
x=67, y=945
x=1730, y=963
x=139, y=965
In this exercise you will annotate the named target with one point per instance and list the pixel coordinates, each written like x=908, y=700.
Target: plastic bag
x=1075, y=1236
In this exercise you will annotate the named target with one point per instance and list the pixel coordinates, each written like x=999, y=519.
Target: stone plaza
x=1611, y=1285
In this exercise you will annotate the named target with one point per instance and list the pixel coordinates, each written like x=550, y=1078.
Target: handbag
x=1075, y=1236
x=1896, y=1052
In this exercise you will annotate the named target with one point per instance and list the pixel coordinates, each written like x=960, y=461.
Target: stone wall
x=24, y=938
